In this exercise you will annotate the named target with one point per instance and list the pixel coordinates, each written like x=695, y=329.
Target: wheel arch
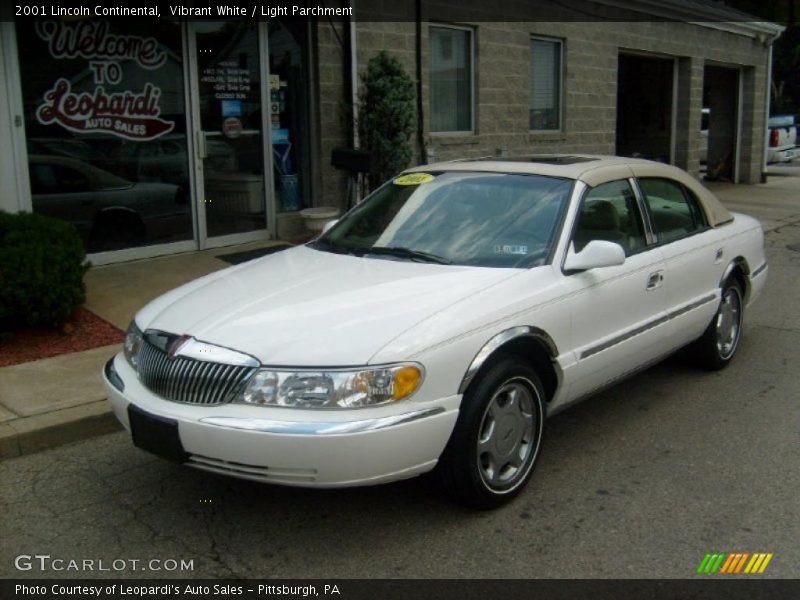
x=531, y=344
x=107, y=212
x=739, y=269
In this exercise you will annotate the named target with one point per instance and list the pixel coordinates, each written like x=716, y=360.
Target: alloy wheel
x=508, y=435
x=729, y=322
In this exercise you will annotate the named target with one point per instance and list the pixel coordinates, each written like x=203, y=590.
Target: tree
x=386, y=117
x=786, y=51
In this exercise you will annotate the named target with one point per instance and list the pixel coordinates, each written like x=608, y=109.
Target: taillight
x=774, y=135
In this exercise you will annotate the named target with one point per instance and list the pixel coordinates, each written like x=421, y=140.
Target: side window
x=70, y=181
x=43, y=179
x=609, y=212
x=675, y=212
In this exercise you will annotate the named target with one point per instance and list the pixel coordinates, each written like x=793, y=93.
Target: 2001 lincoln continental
x=438, y=323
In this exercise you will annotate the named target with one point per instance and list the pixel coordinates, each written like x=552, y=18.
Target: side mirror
x=329, y=224
x=596, y=254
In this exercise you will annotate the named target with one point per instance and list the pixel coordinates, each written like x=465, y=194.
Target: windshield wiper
x=329, y=246
x=401, y=252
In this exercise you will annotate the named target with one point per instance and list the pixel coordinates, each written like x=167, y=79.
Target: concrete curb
x=27, y=435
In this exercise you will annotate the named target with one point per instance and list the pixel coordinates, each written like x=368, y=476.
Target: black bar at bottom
x=711, y=587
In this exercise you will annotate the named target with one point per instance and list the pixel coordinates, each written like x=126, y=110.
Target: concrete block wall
x=689, y=114
x=591, y=51
x=328, y=59
x=8, y=174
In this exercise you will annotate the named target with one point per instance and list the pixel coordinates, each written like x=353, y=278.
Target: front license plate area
x=155, y=434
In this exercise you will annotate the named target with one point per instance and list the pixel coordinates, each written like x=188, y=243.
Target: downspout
x=767, y=104
x=354, y=181
x=354, y=73
x=423, y=158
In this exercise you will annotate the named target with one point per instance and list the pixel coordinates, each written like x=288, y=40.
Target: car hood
x=304, y=307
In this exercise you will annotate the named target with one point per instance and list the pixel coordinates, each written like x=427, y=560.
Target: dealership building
x=163, y=135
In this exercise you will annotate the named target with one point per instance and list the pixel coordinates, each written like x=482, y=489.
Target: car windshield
x=461, y=218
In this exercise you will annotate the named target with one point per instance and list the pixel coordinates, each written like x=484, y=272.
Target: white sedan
x=438, y=323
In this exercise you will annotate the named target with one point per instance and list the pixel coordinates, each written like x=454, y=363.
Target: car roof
x=569, y=166
x=591, y=169
x=89, y=170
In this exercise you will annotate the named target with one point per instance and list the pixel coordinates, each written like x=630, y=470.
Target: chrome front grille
x=182, y=379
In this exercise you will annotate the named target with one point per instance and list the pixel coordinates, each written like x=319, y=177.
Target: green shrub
x=42, y=264
x=386, y=116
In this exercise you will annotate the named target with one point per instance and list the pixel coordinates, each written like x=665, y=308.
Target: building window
x=451, y=79
x=545, y=84
x=104, y=108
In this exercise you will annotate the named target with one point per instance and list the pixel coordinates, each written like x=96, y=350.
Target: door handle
x=654, y=280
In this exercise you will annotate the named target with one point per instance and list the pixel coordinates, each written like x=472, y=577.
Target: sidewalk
x=56, y=400
x=774, y=203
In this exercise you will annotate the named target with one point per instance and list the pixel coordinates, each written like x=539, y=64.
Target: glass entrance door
x=228, y=123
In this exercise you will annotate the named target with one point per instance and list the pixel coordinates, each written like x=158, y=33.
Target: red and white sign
x=93, y=40
x=232, y=127
x=125, y=114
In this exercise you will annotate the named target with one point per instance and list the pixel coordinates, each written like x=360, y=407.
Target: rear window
x=674, y=209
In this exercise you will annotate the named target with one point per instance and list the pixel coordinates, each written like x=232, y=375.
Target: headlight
x=333, y=388
x=133, y=342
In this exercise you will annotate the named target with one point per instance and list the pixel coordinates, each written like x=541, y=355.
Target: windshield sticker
x=507, y=249
x=413, y=179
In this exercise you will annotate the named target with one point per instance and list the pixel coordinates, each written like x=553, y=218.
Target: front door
x=618, y=312
x=232, y=171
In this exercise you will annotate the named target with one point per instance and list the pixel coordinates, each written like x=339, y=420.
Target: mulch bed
x=83, y=332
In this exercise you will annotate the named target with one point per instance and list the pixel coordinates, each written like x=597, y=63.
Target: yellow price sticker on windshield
x=413, y=179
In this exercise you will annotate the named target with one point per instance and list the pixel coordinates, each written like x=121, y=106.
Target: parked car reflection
x=69, y=147
x=109, y=212
x=165, y=159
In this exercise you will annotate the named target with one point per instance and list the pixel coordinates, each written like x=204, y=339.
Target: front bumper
x=782, y=156
x=297, y=447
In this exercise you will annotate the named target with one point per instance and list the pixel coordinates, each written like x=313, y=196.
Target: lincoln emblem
x=177, y=345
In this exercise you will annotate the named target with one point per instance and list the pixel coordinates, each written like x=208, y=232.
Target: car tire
x=496, y=441
x=715, y=349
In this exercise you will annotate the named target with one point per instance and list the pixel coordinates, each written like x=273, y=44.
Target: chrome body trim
x=610, y=383
x=758, y=270
x=736, y=262
x=647, y=326
x=320, y=427
x=189, y=347
x=644, y=210
x=181, y=369
x=256, y=472
x=112, y=376
x=692, y=305
x=499, y=340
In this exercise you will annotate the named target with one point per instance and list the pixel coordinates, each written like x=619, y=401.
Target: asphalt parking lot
x=641, y=481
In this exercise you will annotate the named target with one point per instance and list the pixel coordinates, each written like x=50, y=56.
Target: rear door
x=694, y=256
x=618, y=313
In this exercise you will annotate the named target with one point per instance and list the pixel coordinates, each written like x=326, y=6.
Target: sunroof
x=555, y=159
